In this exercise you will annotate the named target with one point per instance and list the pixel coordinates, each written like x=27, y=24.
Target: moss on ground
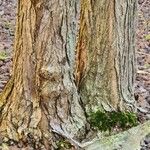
x=107, y=121
x=63, y=145
x=3, y=55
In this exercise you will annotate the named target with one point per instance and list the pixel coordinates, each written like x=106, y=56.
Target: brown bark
x=106, y=58
x=43, y=97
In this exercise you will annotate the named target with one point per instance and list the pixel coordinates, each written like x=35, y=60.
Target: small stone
x=20, y=145
x=147, y=140
x=1, y=13
x=1, y=85
x=1, y=63
x=148, y=145
x=5, y=139
x=3, y=82
x=148, y=99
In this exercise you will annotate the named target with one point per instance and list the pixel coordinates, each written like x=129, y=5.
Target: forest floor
x=142, y=84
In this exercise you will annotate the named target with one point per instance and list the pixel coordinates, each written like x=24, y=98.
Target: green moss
x=147, y=37
x=7, y=25
x=3, y=55
x=147, y=66
x=107, y=121
x=63, y=145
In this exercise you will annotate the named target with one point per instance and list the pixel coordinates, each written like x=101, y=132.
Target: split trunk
x=70, y=57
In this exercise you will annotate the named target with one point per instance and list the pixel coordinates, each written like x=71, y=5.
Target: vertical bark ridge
x=81, y=51
x=125, y=43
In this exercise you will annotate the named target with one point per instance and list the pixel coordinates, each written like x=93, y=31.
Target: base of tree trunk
x=130, y=139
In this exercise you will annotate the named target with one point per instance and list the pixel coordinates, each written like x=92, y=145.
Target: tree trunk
x=106, y=54
x=43, y=97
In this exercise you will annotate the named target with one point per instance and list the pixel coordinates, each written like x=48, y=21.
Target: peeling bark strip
x=44, y=96
x=81, y=52
x=106, y=54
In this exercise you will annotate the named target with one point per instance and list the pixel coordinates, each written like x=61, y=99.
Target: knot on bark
x=51, y=73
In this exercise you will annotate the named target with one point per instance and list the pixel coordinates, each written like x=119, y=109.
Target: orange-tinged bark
x=105, y=57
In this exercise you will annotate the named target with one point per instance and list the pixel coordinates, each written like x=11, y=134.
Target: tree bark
x=42, y=96
x=55, y=83
x=106, y=54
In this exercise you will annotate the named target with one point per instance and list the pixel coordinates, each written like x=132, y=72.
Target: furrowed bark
x=44, y=97
x=106, y=55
